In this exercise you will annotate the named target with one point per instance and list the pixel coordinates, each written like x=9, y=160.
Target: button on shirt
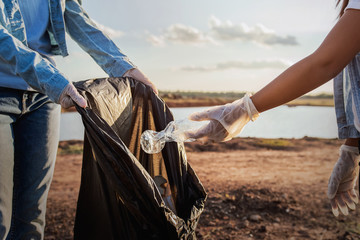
x=35, y=14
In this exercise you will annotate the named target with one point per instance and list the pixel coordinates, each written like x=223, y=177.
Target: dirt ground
x=258, y=189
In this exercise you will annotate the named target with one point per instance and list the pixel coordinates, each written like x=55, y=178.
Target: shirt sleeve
x=36, y=70
x=93, y=41
x=353, y=4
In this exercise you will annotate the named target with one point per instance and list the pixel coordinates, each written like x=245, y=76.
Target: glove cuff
x=354, y=150
x=64, y=92
x=250, y=107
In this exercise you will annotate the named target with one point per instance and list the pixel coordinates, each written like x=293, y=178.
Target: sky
x=207, y=45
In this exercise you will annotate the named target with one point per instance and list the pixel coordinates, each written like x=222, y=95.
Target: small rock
x=212, y=224
x=246, y=223
x=262, y=228
x=255, y=218
x=226, y=218
x=277, y=220
x=304, y=233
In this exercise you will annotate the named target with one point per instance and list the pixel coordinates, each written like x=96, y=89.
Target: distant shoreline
x=324, y=102
x=207, y=102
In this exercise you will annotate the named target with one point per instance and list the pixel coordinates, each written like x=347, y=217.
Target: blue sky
x=198, y=45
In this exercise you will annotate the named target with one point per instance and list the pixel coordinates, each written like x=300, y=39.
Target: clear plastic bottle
x=153, y=142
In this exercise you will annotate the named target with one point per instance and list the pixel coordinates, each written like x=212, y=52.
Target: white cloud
x=156, y=40
x=112, y=33
x=180, y=33
x=186, y=34
x=259, y=33
x=260, y=64
x=220, y=31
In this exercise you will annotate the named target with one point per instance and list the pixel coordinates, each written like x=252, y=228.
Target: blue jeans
x=29, y=130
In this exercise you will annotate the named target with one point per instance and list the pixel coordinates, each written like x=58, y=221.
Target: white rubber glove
x=226, y=121
x=140, y=76
x=342, y=187
x=71, y=95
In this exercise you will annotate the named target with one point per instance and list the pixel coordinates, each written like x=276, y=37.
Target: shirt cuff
x=120, y=67
x=55, y=87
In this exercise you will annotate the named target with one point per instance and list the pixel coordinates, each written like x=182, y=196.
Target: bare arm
x=336, y=51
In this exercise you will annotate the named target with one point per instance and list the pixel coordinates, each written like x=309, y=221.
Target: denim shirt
x=39, y=72
x=347, y=93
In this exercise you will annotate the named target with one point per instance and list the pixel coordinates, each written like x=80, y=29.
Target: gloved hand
x=226, y=121
x=140, y=76
x=342, y=187
x=70, y=94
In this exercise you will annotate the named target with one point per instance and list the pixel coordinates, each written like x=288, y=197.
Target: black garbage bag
x=126, y=193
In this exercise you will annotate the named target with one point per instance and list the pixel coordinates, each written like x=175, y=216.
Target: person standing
x=31, y=87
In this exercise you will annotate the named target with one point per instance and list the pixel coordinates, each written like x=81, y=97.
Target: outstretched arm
x=336, y=51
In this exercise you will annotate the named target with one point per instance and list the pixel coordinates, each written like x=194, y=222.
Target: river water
x=281, y=122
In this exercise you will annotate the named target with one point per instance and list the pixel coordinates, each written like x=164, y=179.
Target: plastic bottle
x=153, y=142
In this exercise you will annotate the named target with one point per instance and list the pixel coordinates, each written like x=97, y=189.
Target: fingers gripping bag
x=126, y=193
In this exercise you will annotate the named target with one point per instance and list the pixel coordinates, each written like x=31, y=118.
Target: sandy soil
x=258, y=189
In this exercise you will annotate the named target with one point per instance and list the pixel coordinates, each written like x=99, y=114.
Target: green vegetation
x=318, y=96
x=328, y=102
x=200, y=94
x=350, y=226
x=70, y=147
x=198, y=99
x=194, y=99
x=273, y=143
x=184, y=94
